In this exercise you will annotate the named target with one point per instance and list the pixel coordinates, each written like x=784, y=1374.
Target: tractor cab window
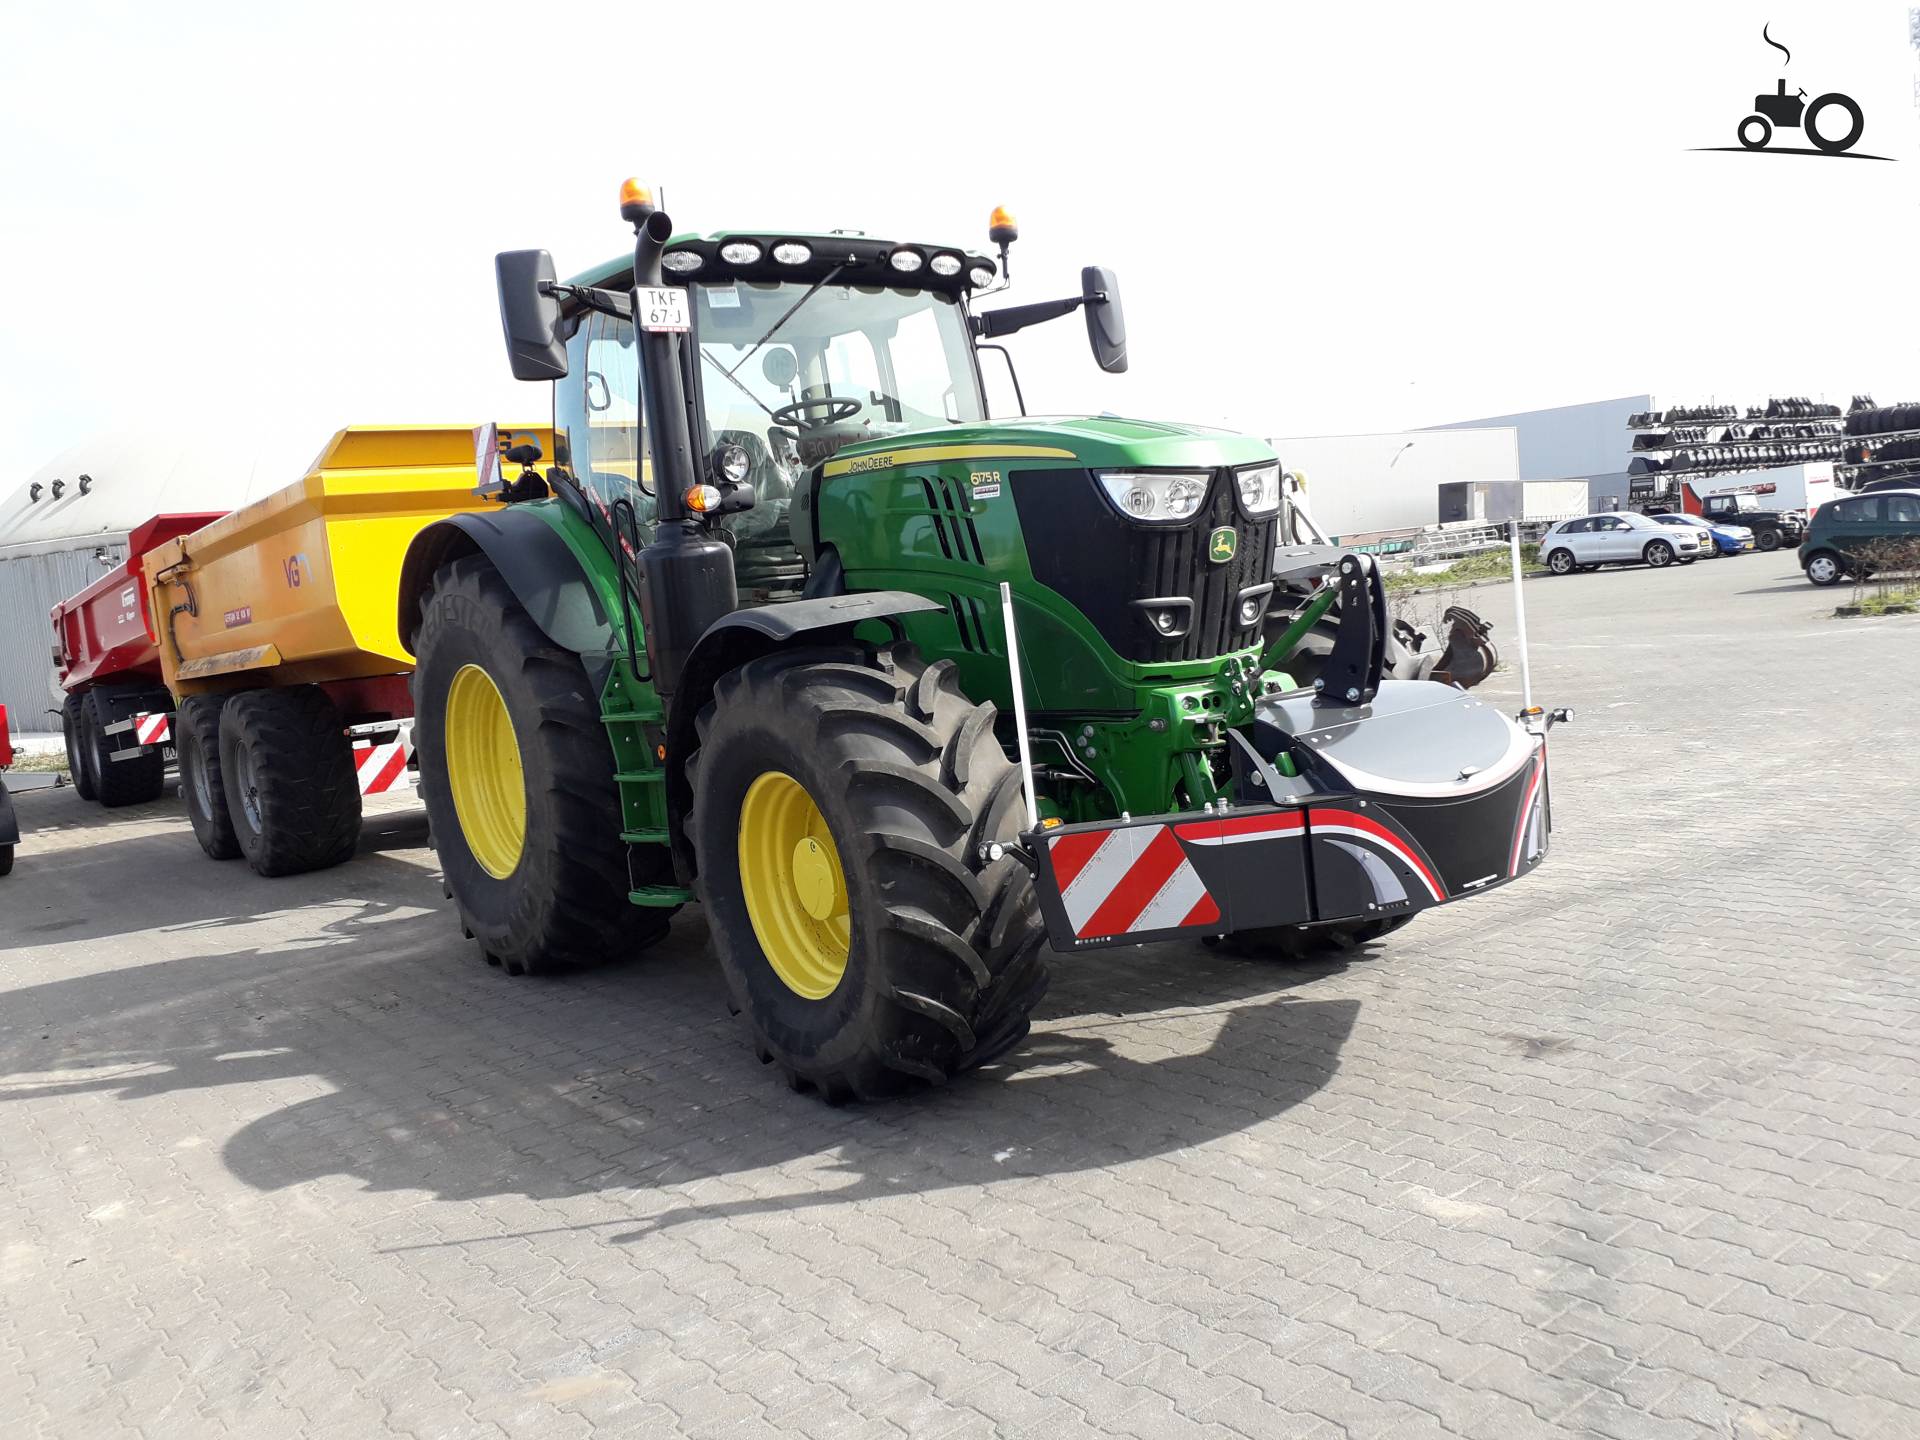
x=791, y=372
x=599, y=433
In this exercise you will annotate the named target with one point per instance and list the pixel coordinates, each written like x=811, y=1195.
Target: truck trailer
x=118, y=713
x=277, y=637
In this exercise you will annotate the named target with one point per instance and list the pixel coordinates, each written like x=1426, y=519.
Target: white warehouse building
x=1359, y=485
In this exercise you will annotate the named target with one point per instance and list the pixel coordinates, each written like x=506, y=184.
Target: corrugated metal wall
x=30, y=586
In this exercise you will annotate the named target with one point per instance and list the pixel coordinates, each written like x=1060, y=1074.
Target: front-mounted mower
x=746, y=640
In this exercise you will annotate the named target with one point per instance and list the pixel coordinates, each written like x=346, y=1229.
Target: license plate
x=663, y=308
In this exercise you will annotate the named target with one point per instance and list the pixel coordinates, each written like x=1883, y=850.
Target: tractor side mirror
x=530, y=315
x=1106, y=321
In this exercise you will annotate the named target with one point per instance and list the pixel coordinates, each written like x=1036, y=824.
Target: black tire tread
x=960, y=939
x=118, y=782
x=303, y=770
x=196, y=737
x=72, y=723
x=583, y=918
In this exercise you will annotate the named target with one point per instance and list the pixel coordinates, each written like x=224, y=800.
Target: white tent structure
x=62, y=526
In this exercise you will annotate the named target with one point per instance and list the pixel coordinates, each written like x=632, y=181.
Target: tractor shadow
x=447, y=1077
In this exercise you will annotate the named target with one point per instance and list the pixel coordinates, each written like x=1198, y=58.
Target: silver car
x=1618, y=537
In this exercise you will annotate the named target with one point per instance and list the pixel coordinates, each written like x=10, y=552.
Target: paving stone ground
x=1629, y=1149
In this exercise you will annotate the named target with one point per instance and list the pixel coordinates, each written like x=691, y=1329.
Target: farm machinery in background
x=897, y=691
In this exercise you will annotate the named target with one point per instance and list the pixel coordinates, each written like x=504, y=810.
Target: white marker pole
x=1520, y=623
x=1019, y=705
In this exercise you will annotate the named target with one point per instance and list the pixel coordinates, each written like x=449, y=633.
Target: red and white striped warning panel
x=1138, y=879
x=382, y=766
x=152, y=729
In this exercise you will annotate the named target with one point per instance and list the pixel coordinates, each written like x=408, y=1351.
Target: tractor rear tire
x=841, y=803
x=118, y=782
x=540, y=874
x=286, y=766
x=202, y=782
x=73, y=725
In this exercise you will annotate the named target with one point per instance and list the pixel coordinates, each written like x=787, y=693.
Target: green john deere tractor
x=747, y=641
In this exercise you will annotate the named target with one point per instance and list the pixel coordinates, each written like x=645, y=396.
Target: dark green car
x=1860, y=532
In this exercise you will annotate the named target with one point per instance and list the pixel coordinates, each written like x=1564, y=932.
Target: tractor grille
x=1078, y=545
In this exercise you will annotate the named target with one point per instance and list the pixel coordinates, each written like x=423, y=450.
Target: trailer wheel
x=202, y=786
x=6, y=860
x=517, y=774
x=72, y=724
x=840, y=804
x=292, y=796
x=117, y=782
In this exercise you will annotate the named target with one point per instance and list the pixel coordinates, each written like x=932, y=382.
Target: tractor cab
x=796, y=347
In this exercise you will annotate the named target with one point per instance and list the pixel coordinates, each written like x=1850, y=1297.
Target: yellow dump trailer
x=278, y=637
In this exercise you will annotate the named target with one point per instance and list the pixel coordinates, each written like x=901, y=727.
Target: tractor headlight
x=732, y=463
x=906, y=261
x=740, y=252
x=946, y=264
x=1155, y=497
x=792, y=252
x=981, y=276
x=1259, y=489
x=682, y=262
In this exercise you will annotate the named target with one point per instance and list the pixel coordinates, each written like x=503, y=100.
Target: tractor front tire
x=118, y=782
x=202, y=781
x=286, y=766
x=517, y=773
x=73, y=725
x=841, y=803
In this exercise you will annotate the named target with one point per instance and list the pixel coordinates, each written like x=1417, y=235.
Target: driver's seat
x=767, y=565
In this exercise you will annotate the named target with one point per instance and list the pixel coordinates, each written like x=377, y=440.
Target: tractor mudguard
x=9, y=822
x=1377, y=826
x=538, y=567
x=738, y=637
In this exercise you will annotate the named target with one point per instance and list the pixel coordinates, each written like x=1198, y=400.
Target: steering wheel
x=829, y=408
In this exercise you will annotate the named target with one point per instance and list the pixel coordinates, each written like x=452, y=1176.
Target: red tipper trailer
x=118, y=715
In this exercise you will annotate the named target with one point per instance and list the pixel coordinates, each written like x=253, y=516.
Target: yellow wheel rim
x=795, y=889
x=483, y=771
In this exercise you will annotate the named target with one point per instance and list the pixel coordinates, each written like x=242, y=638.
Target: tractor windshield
x=796, y=369
x=790, y=372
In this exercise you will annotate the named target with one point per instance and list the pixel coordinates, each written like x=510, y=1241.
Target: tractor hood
x=1096, y=442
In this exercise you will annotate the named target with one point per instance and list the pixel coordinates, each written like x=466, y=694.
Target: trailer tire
x=117, y=782
x=551, y=892
x=202, y=782
x=292, y=796
x=915, y=958
x=6, y=860
x=73, y=725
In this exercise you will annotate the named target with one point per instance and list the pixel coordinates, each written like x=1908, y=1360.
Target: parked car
x=1844, y=532
x=1723, y=539
x=1618, y=537
x=1772, y=529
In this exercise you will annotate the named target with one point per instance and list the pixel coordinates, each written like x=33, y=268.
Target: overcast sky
x=1326, y=217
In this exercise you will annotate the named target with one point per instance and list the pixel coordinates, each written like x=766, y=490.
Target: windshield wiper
x=813, y=290
x=704, y=355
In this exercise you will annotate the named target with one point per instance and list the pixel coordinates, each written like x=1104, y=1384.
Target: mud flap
x=1328, y=857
